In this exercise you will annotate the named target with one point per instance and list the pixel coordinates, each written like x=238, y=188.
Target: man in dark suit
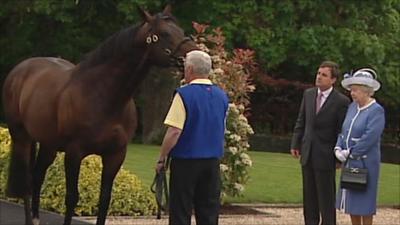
x=318, y=123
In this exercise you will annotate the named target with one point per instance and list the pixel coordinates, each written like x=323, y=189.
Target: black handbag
x=354, y=178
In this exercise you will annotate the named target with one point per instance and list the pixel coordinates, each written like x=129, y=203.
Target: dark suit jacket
x=315, y=134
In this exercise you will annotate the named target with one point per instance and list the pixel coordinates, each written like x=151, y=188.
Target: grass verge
x=274, y=177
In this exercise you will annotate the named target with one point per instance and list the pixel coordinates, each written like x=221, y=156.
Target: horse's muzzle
x=178, y=62
x=179, y=53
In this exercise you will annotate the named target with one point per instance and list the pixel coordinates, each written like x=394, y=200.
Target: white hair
x=200, y=61
x=367, y=89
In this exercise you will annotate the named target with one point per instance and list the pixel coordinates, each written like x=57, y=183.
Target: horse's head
x=166, y=42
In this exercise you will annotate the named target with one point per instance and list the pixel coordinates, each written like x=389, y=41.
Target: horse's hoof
x=35, y=221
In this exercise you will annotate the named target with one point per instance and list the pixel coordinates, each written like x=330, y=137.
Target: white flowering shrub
x=232, y=74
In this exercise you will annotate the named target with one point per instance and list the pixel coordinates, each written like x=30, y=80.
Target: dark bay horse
x=83, y=109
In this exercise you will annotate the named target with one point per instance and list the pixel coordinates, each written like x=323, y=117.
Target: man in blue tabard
x=195, y=142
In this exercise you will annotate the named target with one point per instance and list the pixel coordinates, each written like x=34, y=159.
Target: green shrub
x=129, y=196
x=5, y=143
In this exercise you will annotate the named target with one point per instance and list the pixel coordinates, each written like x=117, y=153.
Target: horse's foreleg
x=111, y=166
x=44, y=159
x=72, y=165
x=27, y=208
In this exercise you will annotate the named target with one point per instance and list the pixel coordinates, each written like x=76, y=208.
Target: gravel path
x=271, y=216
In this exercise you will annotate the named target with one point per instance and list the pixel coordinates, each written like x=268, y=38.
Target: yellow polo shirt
x=177, y=114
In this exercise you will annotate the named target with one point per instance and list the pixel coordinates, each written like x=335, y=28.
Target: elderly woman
x=360, y=141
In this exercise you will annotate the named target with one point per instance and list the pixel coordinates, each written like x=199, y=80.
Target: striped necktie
x=318, y=102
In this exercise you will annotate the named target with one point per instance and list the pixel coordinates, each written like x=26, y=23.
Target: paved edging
x=293, y=205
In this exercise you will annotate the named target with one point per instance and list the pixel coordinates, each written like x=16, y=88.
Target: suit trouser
x=319, y=193
x=194, y=183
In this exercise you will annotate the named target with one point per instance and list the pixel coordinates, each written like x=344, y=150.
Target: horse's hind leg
x=44, y=159
x=19, y=183
x=111, y=165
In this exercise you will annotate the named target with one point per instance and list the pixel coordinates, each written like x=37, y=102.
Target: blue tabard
x=203, y=132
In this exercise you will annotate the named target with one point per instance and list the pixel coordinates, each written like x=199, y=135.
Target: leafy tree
x=291, y=38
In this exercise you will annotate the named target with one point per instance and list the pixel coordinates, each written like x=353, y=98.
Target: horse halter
x=179, y=61
x=153, y=38
x=174, y=60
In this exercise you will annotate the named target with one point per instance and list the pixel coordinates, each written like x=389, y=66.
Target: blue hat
x=364, y=76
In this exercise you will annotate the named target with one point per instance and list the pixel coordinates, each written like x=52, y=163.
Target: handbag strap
x=350, y=158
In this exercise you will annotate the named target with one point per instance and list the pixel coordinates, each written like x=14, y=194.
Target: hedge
x=129, y=196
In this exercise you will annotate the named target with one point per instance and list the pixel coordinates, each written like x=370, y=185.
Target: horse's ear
x=167, y=10
x=144, y=14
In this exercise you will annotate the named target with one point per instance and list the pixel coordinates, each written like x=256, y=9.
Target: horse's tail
x=19, y=183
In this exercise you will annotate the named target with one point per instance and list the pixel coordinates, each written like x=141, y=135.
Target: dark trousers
x=194, y=184
x=319, y=193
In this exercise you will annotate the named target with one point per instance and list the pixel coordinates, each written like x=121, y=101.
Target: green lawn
x=275, y=177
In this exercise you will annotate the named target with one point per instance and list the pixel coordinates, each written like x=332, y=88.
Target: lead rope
x=143, y=60
x=160, y=189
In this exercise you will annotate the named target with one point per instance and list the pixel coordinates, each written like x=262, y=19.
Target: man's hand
x=170, y=139
x=160, y=165
x=295, y=153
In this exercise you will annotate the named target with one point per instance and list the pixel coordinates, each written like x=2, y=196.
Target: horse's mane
x=114, y=47
x=118, y=46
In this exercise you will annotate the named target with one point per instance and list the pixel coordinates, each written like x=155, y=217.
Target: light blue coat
x=361, y=133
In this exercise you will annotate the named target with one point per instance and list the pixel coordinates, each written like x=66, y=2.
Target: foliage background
x=290, y=38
